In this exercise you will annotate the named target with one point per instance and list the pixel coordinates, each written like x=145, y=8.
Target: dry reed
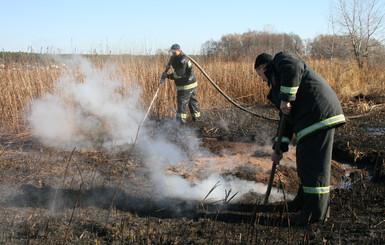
x=21, y=84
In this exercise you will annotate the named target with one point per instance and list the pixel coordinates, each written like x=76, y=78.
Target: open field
x=63, y=183
x=24, y=82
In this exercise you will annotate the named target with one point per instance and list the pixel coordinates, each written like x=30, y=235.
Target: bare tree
x=210, y=48
x=330, y=47
x=245, y=46
x=361, y=20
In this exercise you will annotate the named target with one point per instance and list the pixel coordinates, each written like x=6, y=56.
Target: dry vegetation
x=30, y=173
x=23, y=82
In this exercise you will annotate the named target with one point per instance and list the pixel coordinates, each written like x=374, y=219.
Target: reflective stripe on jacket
x=315, y=105
x=325, y=123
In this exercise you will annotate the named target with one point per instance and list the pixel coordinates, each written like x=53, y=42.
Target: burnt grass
x=90, y=204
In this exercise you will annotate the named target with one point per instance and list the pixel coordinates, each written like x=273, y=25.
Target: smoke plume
x=86, y=113
x=87, y=109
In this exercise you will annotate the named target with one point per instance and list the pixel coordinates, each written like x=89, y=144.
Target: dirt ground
x=50, y=196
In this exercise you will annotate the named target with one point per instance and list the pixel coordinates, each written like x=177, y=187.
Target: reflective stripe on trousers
x=314, y=155
x=187, y=99
x=181, y=115
x=187, y=87
x=316, y=190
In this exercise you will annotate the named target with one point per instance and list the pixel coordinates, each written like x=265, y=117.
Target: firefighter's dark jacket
x=183, y=71
x=315, y=106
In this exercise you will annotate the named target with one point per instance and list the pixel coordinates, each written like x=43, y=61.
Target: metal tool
x=277, y=151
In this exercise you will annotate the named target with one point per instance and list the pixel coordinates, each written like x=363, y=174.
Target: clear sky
x=82, y=26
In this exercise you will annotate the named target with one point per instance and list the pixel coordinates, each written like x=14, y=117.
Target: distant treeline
x=242, y=47
x=29, y=57
x=246, y=46
x=19, y=57
x=46, y=58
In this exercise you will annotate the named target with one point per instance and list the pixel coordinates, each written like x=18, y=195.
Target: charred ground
x=53, y=197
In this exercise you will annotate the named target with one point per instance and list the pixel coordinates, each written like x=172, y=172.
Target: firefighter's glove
x=164, y=76
x=284, y=146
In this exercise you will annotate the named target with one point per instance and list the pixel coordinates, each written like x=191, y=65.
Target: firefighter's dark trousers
x=187, y=98
x=314, y=155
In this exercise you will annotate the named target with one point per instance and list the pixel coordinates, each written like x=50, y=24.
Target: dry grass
x=349, y=81
x=79, y=223
x=21, y=84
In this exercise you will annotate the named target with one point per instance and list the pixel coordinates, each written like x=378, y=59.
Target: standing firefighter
x=313, y=112
x=186, y=84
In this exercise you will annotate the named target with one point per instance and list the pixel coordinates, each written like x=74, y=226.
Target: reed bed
x=21, y=83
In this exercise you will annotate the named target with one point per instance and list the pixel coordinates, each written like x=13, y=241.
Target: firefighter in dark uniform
x=313, y=112
x=186, y=84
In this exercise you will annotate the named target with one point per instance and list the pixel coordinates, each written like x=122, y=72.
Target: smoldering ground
x=87, y=110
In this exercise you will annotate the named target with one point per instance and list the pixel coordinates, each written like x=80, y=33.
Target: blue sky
x=82, y=26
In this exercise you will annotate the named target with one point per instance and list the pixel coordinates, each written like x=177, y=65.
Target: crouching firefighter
x=186, y=84
x=313, y=112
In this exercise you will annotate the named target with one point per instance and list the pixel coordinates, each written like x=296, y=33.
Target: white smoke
x=91, y=111
x=215, y=186
x=87, y=113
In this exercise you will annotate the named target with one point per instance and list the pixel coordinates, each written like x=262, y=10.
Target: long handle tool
x=152, y=102
x=136, y=138
x=277, y=151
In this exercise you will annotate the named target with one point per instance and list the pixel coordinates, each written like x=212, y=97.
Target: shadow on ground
x=102, y=197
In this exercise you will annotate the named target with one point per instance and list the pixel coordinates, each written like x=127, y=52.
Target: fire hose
x=281, y=127
x=215, y=85
x=227, y=97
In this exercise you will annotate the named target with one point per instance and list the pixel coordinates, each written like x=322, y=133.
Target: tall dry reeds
x=22, y=83
x=348, y=80
x=19, y=86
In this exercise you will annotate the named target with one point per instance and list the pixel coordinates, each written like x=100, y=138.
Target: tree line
x=245, y=47
x=359, y=24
